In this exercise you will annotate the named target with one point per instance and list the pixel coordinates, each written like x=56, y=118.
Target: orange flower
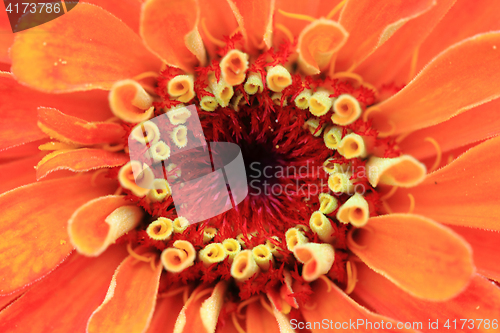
x=339, y=107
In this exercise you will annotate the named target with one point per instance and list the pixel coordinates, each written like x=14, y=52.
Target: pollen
x=278, y=78
x=161, y=229
x=355, y=211
x=130, y=102
x=234, y=66
x=320, y=102
x=181, y=87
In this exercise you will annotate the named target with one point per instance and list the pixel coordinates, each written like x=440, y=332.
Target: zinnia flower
x=386, y=110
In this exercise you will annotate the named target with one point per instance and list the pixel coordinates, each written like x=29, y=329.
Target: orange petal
x=477, y=124
x=125, y=10
x=64, y=301
x=255, y=19
x=419, y=255
x=89, y=226
x=9, y=299
x=170, y=30
x=33, y=227
x=22, y=151
x=130, y=301
x=485, y=249
x=465, y=192
x=166, y=312
x=260, y=319
x=464, y=20
x=329, y=302
x=216, y=21
x=17, y=173
x=75, y=130
x=67, y=58
x=200, y=313
x=481, y=300
x=6, y=36
x=79, y=160
x=370, y=23
x=389, y=59
x=312, y=8
x=317, y=44
x=464, y=76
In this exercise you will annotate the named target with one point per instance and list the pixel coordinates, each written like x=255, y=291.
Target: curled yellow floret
x=327, y=203
x=179, y=136
x=321, y=225
x=244, y=266
x=351, y=146
x=158, y=152
x=178, y=115
x=294, y=237
x=232, y=247
x=262, y=256
x=302, y=99
x=136, y=177
x=341, y=183
x=317, y=258
x=212, y=253
x=278, y=78
x=209, y=234
x=346, y=110
x=403, y=171
x=253, y=84
x=180, y=224
x=160, y=190
x=234, y=66
x=222, y=90
x=355, y=211
x=161, y=229
x=178, y=258
x=332, y=137
x=181, y=87
x=313, y=126
x=320, y=102
x=146, y=133
x=130, y=102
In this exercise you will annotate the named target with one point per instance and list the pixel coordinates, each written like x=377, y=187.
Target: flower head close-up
x=248, y=166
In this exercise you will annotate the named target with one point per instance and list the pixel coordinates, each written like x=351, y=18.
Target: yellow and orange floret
x=274, y=78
